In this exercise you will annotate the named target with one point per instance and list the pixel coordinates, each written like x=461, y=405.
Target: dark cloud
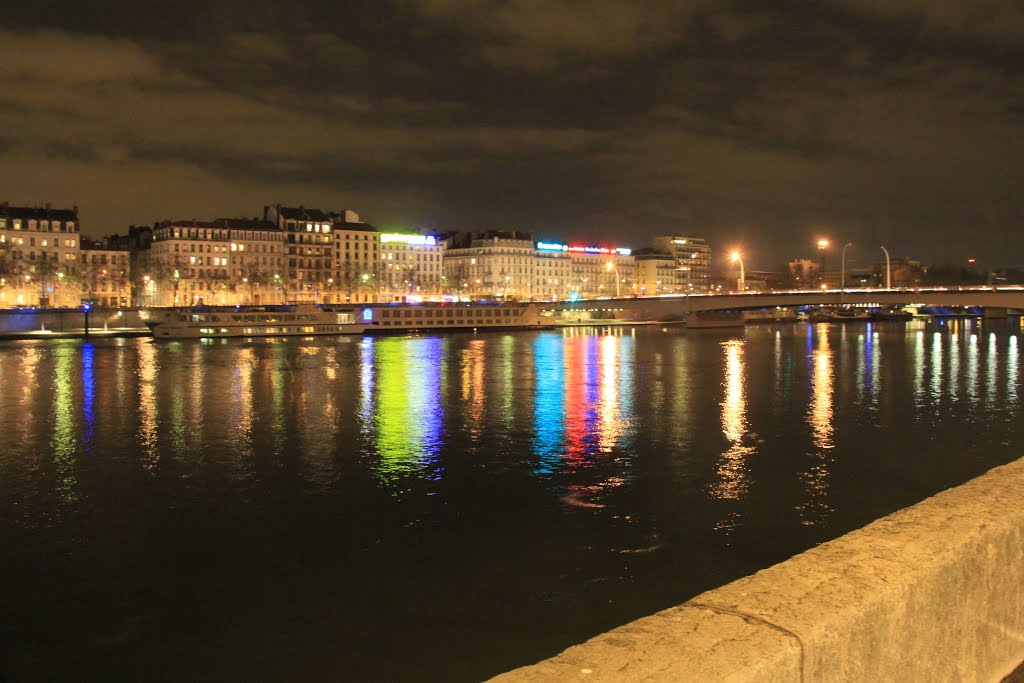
x=753, y=123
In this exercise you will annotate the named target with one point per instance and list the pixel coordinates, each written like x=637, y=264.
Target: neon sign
x=411, y=240
x=367, y=314
x=576, y=249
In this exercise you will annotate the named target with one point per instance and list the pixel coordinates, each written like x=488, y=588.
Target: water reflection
x=64, y=440
x=1011, y=372
x=407, y=410
x=366, y=377
x=936, y=367
x=244, y=370
x=732, y=477
x=971, y=381
x=548, y=402
x=816, y=479
x=148, y=366
x=88, y=396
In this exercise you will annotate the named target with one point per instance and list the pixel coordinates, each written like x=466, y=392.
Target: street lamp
x=735, y=258
x=822, y=246
x=612, y=267
x=888, y=270
x=842, y=271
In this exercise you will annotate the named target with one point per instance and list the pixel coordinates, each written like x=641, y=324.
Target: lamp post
x=735, y=257
x=822, y=246
x=842, y=271
x=613, y=268
x=888, y=269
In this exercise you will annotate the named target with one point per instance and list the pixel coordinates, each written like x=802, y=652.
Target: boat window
x=408, y=314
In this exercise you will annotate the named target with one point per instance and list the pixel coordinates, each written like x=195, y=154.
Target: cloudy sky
x=758, y=124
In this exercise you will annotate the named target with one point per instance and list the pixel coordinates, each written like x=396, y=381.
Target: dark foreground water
x=446, y=508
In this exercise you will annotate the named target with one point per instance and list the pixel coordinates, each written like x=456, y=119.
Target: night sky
x=756, y=124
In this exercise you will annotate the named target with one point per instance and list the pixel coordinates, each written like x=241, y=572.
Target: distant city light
x=412, y=240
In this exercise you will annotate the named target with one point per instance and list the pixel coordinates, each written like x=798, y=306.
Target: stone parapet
x=933, y=592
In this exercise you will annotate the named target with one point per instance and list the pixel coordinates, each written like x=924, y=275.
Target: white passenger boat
x=270, y=321
x=453, y=316
x=286, y=321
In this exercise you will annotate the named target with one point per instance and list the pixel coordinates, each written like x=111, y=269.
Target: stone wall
x=68, y=320
x=934, y=592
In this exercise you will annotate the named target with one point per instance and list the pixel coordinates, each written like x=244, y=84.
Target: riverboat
x=270, y=321
x=287, y=321
x=848, y=314
x=428, y=316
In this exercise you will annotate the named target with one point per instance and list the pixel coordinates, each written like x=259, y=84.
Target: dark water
x=446, y=508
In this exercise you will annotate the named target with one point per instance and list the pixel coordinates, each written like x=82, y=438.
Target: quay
x=933, y=592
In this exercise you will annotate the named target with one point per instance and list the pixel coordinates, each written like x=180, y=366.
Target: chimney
x=266, y=211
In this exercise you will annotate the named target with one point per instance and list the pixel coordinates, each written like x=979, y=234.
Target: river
x=449, y=507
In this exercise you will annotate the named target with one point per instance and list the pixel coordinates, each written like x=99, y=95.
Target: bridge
x=678, y=306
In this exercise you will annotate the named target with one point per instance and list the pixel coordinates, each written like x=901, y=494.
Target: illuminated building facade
x=221, y=262
x=693, y=260
x=355, y=277
x=656, y=273
x=595, y=271
x=256, y=253
x=493, y=264
x=104, y=273
x=411, y=266
x=512, y=265
x=309, y=251
x=39, y=250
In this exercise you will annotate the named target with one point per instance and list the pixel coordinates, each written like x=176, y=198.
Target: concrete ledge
x=933, y=592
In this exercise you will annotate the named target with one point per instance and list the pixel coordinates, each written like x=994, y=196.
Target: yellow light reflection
x=408, y=413
x=816, y=479
x=64, y=437
x=610, y=423
x=820, y=416
x=244, y=368
x=29, y=370
x=733, y=478
x=473, y=383
x=147, y=404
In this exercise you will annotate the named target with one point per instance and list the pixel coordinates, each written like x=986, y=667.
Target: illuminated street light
x=822, y=246
x=735, y=258
x=888, y=270
x=610, y=266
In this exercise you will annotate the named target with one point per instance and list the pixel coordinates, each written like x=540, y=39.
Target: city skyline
x=757, y=128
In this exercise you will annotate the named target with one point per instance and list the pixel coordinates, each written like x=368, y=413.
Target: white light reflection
x=991, y=370
x=936, y=367
x=1011, y=372
x=972, y=368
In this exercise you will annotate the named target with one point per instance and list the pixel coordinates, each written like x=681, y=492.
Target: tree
x=253, y=278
